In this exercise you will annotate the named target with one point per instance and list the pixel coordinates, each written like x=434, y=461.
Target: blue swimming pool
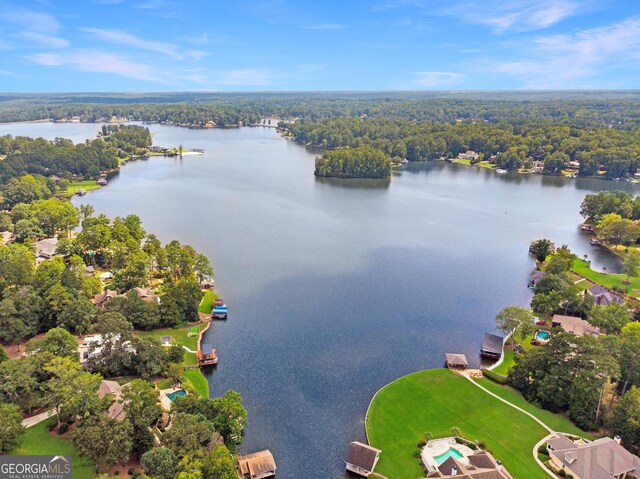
x=543, y=335
x=179, y=393
x=454, y=453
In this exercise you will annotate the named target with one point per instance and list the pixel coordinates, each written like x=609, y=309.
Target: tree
x=18, y=384
x=104, y=440
x=631, y=264
x=12, y=327
x=612, y=317
x=541, y=249
x=626, y=417
x=57, y=341
x=231, y=418
x=629, y=357
x=515, y=320
x=78, y=316
x=160, y=463
x=174, y=371
x=11, y=428
x=140, y=403
x=149, y=357
x=219, y=464
x=187, y=434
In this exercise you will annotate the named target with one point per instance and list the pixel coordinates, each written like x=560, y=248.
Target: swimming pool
x=179, y=393
x=543, y=335
x=454, y=453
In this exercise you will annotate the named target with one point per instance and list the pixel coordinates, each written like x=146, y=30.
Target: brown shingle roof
x=257, y=464
x=362, y=455
x=454, y=359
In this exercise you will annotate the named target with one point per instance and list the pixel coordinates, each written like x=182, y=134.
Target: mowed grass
x=507, y=362
x=198, y=381
x=435, y=401
x=206, y=305
x=76, y=186
x=38, y=441
x=610, y=281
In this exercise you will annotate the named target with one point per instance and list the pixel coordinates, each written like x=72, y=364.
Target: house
x=361, y=458
x=481, y=465
x=89, y=271
x=101, y=299
x=257, y=465
x=574, y=325
x=458, y=361
x=603, y=458
x=210, y=124
x=102, y=181
x=469, y=155
x=536, y=276
x=573, y=166
x=116, y=410
x=147, y=295
x=46, y=248
x=492, y=346
x=7, y=237
x=91, y=347
x=603, y=296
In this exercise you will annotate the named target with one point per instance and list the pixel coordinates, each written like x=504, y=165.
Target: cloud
x=33, y=21
x=436, y=79
x=245, y=77
x=99, y=62
x=124, y=38
x=570, y=61
x=47, y=40
x=322, y=26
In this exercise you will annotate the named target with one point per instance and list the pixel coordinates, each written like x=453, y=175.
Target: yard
x=38, y=441
x=75, y=186
x=435, y=401
x=619, y=281
x=206, y=305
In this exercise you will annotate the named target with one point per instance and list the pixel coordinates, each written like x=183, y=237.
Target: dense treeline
x=60, y=157
x=509, y=146
x=359, y=162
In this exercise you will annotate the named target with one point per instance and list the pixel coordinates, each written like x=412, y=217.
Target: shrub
x=421, y=443
x=481, y=444
x=543, y=450
x=495, y=377
x=131, y=471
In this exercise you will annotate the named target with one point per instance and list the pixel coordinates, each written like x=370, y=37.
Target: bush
x=116, y=473
x=131, y=471
x=543, y=450
x=481, y=444
x=421, y=443
x=495, y=377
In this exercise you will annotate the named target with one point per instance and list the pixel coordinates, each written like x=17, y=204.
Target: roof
x=46, y=247
x=577, y=326
x=560, y=441
x=537, y=275
x=207, y=348
x=492, y=343
x=454, y=359
x=362, y=455
x=481, y=465
x=257, y=463
x=106, y=295
x=603, y=296
x=116, y=410
x=601, y=459
x=146, y=294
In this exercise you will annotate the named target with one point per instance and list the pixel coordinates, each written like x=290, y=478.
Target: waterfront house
x=603, y=458
x=116, y=410
x=456, y=361
x=102, y=182
x=147, y=294
x=361, y=458
x=46, y=249
x=449, y=458
x=257, y=465
x=574, y=325
x=101, y=299
x=602, y=296
x=469, y=155
x=492, y=346
x=536, y=276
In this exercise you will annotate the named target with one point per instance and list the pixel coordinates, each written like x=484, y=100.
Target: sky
x=301, y=45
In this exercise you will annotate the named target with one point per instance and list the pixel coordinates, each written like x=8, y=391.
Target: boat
x=596, y=242
x=219, y=310
x=586, y=227
x=501, y=171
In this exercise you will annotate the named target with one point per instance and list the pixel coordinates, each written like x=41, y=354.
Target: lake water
x=336, y=288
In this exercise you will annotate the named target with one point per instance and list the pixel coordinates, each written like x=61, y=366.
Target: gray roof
x=362, y=455
x=46, y=247
x=492, y=343
x=454, y=359
x=601, y=459
x=603, y=296
x=560, y=441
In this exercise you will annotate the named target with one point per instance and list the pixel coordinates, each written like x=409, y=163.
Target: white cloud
x=48, y=40
x=124, y=38
x=322, y=26
x=569, y=61
x=99, y=62
x=33, y=21
x=436, y=79
x=245, y=77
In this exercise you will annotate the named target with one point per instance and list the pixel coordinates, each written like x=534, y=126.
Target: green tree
x=231, y=418
x=626, y=417
x=160, y=463
x=78, y=316
x=611, y=318
x=104, y=449
x=515, y=320
x=11, y=429
x=219, y=464
x=140, y=403
x=187, y=434
x=631, y=264
x=57, y=341
x=541, y=248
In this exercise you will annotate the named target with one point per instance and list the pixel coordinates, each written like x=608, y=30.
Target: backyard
x=435, y=401
x=618, y=281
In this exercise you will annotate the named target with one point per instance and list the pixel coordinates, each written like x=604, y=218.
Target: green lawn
x=206, y=305
x=198, y=381
x=507, y=362
x=583, y=268
x=38, y=441
x=437, y=400
x=75, y=186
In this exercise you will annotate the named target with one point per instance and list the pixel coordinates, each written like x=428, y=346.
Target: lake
x=335, y=288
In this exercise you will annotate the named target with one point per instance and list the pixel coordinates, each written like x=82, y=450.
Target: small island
x=359, y=162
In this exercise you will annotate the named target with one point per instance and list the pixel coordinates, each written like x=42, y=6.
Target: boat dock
x=219, y=310
x=206, y=353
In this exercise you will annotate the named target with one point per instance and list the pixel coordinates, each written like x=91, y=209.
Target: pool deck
x=164, y=397
x=437, y=447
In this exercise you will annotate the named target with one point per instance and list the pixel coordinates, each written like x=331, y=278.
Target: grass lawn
x=80, y=185
x=437, y=400
x=507, y=362
x=198, y=381
x=583, y=268
x=206, y=305
x=38, y=441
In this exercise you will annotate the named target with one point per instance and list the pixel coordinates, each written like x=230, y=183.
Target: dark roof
x=206, y=348
x=596, y=289
x=454, y=359
x=482, y=460
x=362, y=456
x=537, y=275
x=492, y=343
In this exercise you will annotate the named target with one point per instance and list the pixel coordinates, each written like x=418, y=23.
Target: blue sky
x=167, y=45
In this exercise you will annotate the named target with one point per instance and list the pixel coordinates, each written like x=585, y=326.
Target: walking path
x=37, y=419
x=167, y=345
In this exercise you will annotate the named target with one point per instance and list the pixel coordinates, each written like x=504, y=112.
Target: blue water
x=544, y=335
x=176, y=394
x=454, y=453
